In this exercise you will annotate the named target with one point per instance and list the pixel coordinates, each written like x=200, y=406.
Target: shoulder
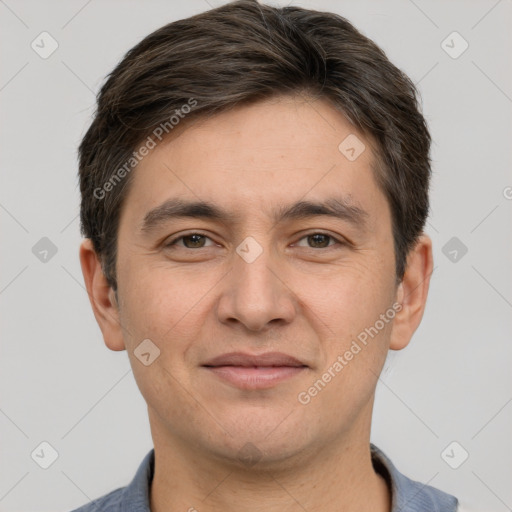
x=411, y=495
x=132, y=498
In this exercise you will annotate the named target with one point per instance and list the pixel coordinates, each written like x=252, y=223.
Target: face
x=289, y=257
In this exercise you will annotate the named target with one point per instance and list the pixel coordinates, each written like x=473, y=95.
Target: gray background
x=59, y=382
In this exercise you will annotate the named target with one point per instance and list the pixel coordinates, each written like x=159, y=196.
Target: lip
x=250, y=371
x=248, y=360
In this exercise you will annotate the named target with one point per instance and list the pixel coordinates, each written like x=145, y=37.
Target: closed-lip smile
x=254, y=371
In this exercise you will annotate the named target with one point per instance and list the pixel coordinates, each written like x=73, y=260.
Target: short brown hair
x=242, y=52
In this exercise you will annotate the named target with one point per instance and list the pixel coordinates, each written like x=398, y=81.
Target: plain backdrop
x=62, y=386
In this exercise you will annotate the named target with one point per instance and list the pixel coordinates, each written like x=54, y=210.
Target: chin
x=261, y=447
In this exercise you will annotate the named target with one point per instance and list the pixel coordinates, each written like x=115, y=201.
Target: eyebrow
x=340, y=208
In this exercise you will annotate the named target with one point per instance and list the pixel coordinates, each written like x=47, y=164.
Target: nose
x=255, y=295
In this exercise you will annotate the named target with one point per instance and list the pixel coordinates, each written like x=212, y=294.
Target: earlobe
x=412, y=293
x=101, y=296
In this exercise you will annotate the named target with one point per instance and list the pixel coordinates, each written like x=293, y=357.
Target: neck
x=338, y=477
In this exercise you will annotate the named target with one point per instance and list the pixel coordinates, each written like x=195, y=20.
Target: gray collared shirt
x=406, y=495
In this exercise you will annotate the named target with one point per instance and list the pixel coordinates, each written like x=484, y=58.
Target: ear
x=102, y=297
x=412, y=293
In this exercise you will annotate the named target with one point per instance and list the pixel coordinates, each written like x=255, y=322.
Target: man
x=254, y=192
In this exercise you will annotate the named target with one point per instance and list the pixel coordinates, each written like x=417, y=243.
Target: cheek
x=167, y=309
x=346, y=313
x=354, y=343
x=163, y=305
x=350, y=298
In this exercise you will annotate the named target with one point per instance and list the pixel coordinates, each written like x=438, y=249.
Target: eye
x=190, y=241
x=198, y=241
x=319, y=240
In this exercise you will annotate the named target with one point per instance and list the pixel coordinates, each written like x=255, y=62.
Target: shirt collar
x=136, y=494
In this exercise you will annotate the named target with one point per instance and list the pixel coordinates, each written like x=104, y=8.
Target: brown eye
x=191, y=241
x=319, y=240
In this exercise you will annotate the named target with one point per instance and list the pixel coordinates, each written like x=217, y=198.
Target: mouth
x=248, y=371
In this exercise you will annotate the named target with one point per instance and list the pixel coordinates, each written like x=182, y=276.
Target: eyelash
x=174, y=241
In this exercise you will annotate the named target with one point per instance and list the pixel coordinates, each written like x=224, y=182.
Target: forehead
x=271, y=153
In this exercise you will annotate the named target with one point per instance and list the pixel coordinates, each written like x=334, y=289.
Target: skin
x=195, y=303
